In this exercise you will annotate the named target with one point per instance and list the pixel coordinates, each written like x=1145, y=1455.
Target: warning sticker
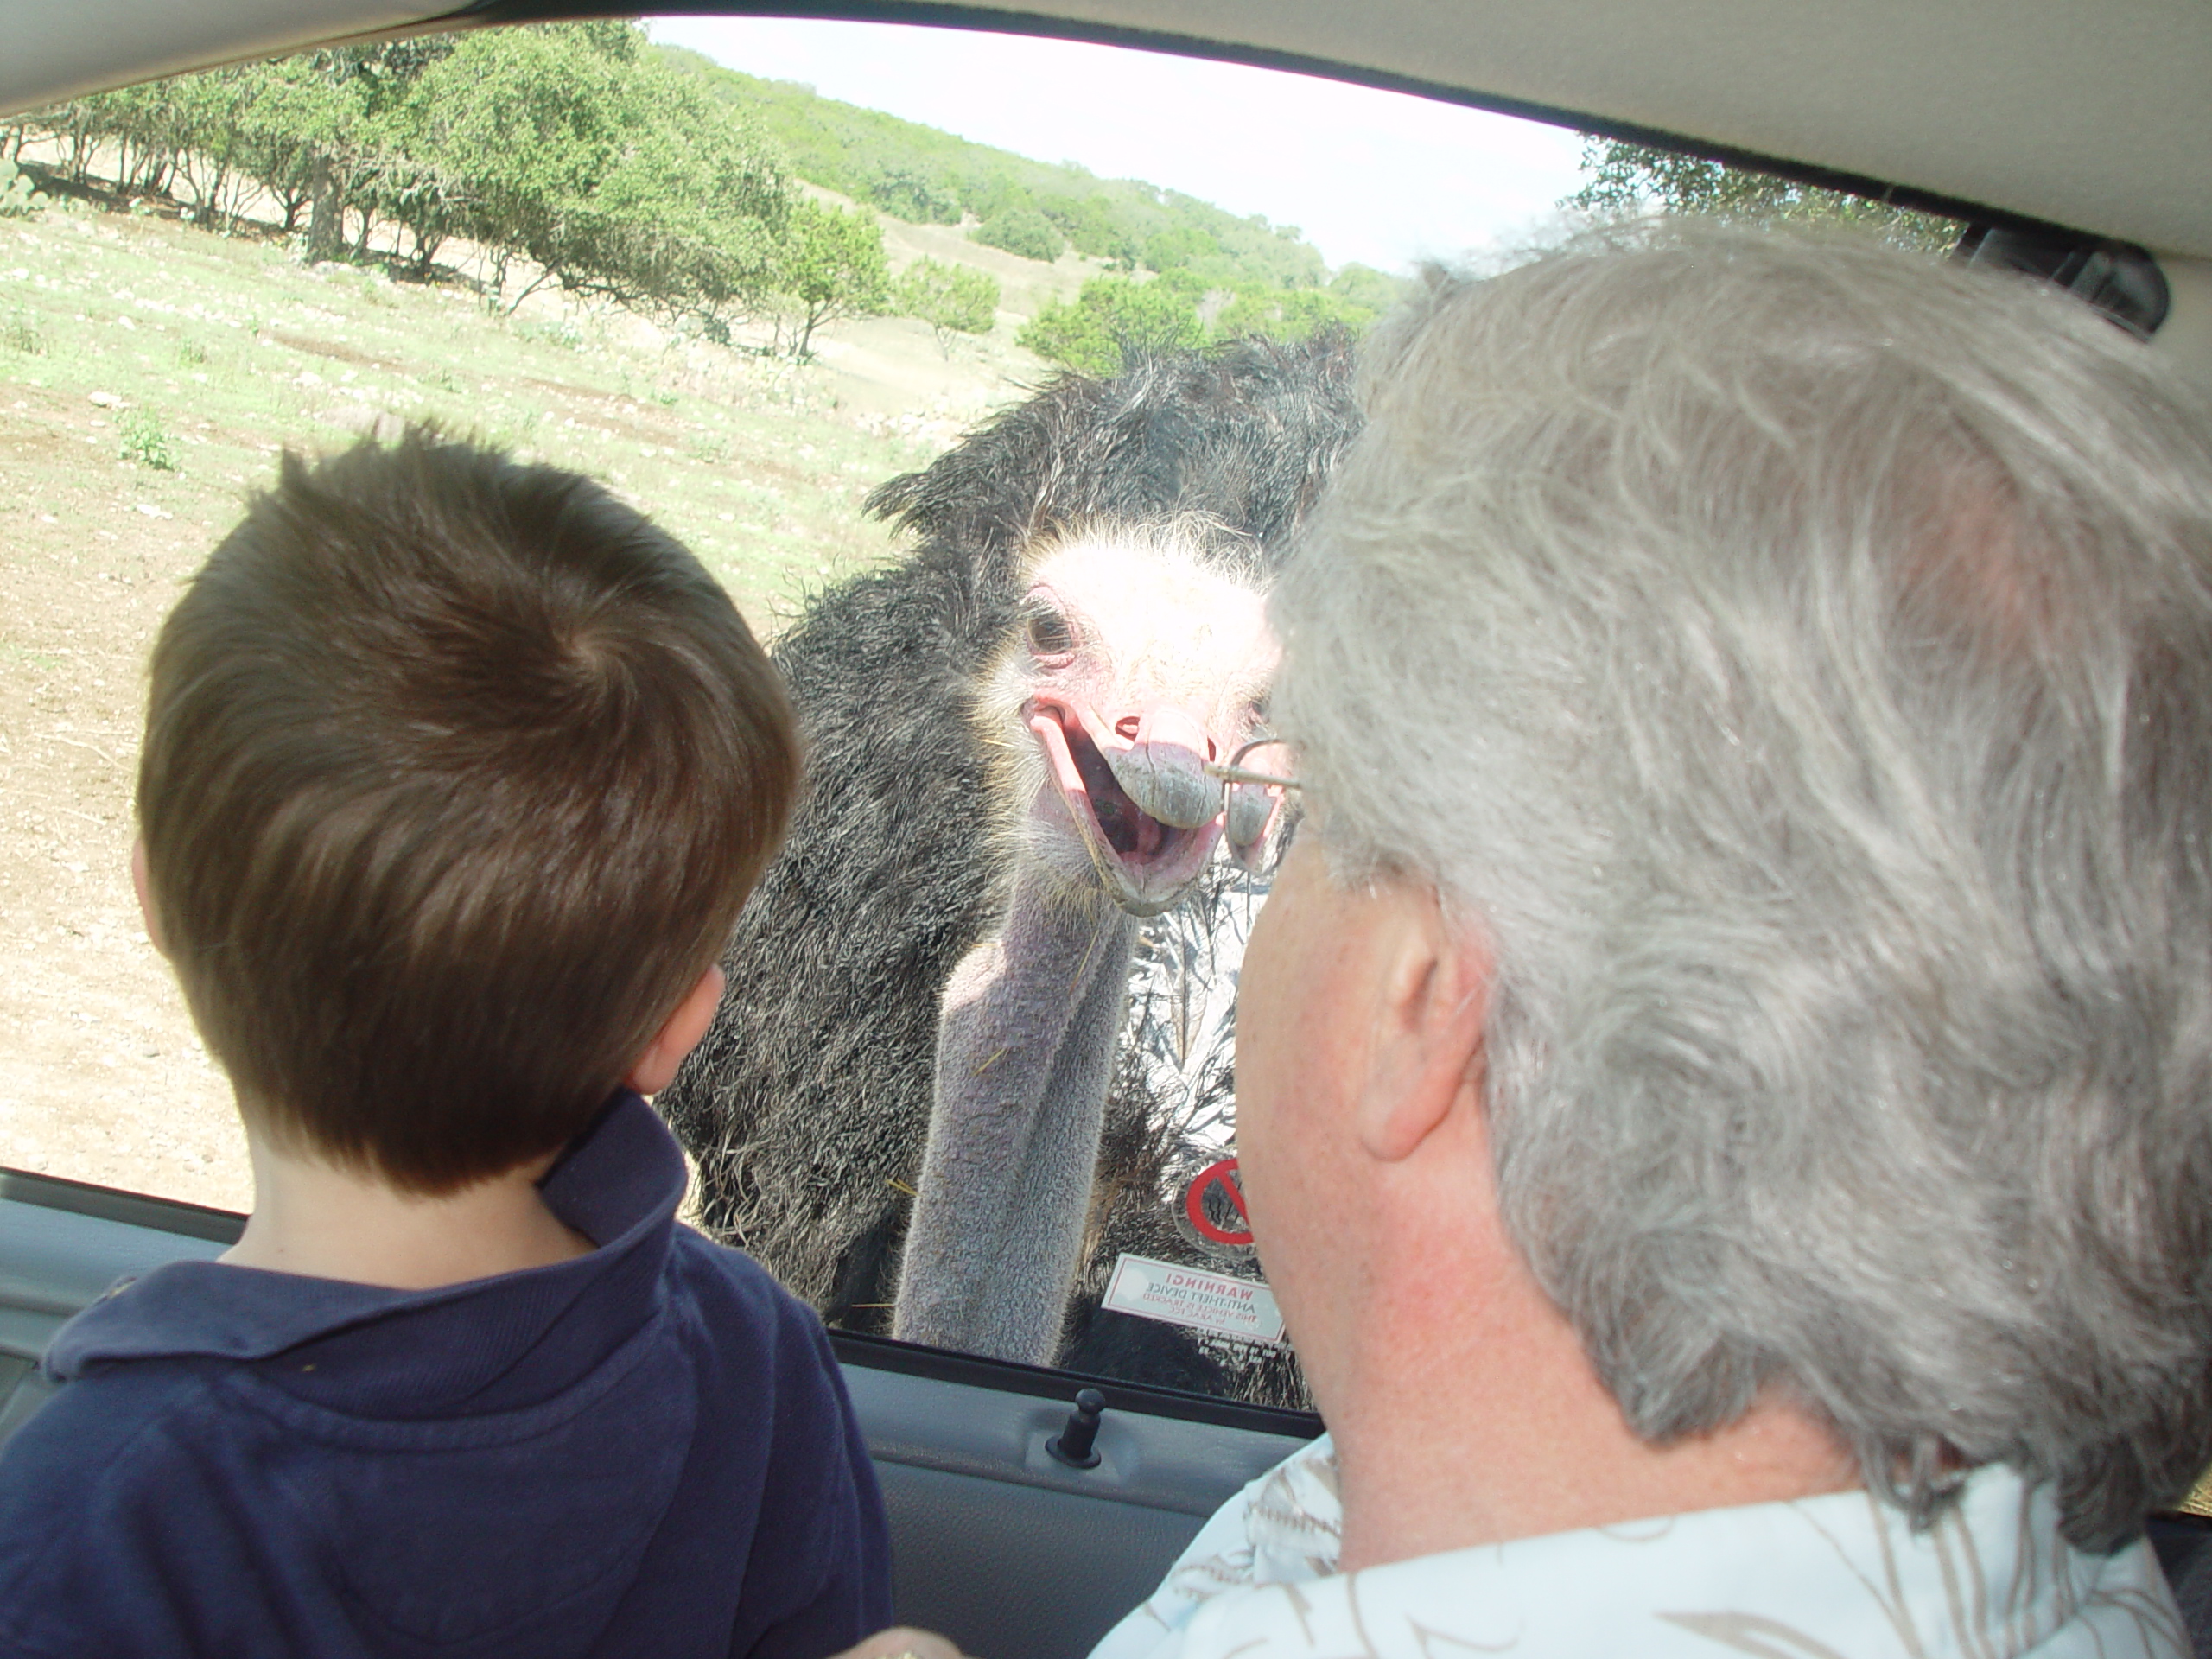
x=1192, y=1296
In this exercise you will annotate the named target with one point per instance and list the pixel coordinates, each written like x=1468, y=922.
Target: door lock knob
x=1076, y=1446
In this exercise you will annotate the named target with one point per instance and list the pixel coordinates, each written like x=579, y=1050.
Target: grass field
x=149, y=375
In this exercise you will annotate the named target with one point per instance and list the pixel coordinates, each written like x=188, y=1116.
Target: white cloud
x=1378, y=177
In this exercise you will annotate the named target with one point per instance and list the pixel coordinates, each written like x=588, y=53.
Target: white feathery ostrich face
x=1137, y=664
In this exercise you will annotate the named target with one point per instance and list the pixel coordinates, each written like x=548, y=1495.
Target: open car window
x=782, y=323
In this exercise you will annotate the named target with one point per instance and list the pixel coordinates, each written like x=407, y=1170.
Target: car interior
x=2076, y=141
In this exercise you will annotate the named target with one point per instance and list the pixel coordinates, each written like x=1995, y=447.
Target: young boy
x=456, y=773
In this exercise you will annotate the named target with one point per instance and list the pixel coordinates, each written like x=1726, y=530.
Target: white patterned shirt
x=1835, y=1577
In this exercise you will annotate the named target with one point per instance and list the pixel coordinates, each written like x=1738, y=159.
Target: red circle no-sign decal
x=1222, y=1174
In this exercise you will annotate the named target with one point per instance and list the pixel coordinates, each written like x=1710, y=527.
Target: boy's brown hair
x=457, y=772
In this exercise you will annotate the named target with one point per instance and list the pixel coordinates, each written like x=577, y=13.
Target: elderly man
x=1725, y=1073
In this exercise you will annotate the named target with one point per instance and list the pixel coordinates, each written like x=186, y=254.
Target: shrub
x=555, y=331
x=1290, y=313
x=1180, y=246
x=1363, y=285
x=145, y=441
x=1023, y=231
x=1091, y=227
x=913, y=197
x=21, y=334
x=18, y=196
x=1114, y=318
x=952, y=299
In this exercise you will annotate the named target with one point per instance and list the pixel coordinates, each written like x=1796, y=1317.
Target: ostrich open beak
x=1138, y=791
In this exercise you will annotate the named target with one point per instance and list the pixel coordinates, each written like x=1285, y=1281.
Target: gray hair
x=1796, y=660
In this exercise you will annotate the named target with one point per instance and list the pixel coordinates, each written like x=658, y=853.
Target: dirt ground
x=102, y=1077
x=228, y=346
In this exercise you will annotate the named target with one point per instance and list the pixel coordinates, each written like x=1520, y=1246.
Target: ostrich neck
x=1025, y=1051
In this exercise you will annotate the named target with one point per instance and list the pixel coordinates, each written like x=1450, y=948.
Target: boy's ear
x=145, y=892
x=678, y=1036
x=1427, y=1044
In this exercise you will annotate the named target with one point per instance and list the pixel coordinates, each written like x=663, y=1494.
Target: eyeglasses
x=1253, y=803
x=1233, y=771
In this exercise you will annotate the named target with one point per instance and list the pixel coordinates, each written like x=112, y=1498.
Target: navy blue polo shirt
x=647, y=1449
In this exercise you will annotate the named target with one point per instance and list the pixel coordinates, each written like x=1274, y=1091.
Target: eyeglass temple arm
x=1228, y=775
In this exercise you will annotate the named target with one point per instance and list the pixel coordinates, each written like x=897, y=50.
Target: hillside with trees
x=1180, y=271
x=581, y=158
x=1037, y=209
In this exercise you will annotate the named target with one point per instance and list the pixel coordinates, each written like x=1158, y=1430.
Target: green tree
x=140, y=122
x=952, y=299
x=301, y=113
x=1289, y=314
x=1250, y=250
x=1021, y=230
x=832, y=267
x=1624, y=181
x=205, y=140
x=305, y=128
x=1180, y=247
x=331, y=135
x=987, y=186
x=173, y=137
x=1115, y=319
x=1363, y=285
x=909, y=194
x=564, y=146
x=1091, y=226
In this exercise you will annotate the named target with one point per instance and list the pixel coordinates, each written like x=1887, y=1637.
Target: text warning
x=1192, y=1296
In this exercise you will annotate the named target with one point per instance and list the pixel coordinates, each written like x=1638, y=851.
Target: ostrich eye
x=1049, y=634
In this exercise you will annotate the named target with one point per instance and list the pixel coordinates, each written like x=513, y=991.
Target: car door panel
x=994, y=1543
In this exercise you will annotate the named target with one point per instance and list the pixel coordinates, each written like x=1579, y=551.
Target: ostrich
x=1008, y=733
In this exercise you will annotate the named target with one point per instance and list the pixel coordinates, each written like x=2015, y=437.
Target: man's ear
x=1427, y=1043
x=678, y=1036
x=145, y=892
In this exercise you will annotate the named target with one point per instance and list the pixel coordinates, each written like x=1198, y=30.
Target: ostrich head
x=1142, y=657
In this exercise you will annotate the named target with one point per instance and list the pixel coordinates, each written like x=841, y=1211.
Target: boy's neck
x=313, y=1218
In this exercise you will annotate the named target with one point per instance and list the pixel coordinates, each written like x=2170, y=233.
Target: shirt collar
x=489, y=1343
x=1838, y=1574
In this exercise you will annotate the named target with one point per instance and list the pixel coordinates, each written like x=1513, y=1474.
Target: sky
x=1380, y=178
